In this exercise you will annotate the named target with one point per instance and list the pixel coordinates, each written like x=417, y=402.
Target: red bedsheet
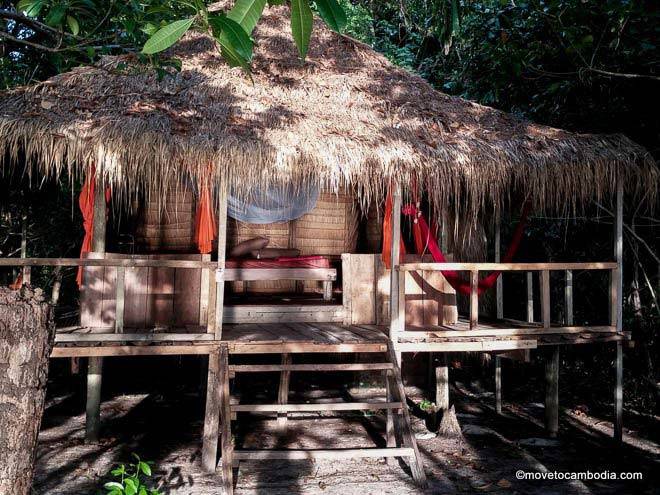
x=297, y=262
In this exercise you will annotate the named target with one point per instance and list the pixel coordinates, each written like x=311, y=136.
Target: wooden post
x=617, y=312
x=499, y=287
x=283, y=393
x=545, y=298
x=474, y=299
x=552, y=392
x=227, y=445
x=27, y=271
x=95, y=364
x=499, y=294
x=93, y=408
x=222, y=246
x=390, y=436
x=395, y=290
x=568, y=298
x=498, y=385
x=212, y=415
x=442, y=384
x=530, y=297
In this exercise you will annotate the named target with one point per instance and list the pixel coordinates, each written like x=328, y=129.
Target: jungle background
x=583, y=65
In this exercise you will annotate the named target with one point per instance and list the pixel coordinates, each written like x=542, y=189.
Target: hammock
x=424, y=240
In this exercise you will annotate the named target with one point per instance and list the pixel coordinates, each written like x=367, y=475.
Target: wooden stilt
x=93, y=409
x=283, y=394
x=617, y=312
x=95, y=364
x=212, y=415
x=442, y=383
x=552, y=392
x=498, y=385
x=226, y=442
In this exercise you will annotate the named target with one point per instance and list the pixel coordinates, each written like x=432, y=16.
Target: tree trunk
x=26, y=338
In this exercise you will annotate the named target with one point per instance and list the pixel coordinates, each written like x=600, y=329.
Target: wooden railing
x=326, y=275
x=544, y=269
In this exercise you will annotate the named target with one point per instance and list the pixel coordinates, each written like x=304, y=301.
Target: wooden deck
x=275, y=338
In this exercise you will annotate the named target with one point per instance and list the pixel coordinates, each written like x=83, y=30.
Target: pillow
x=245, y=247
x=272, y=253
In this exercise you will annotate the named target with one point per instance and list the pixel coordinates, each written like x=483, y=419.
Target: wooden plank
x=500, y=332
x=328, y=406
x=119, y=298
x=138, y=261
x=552, y=393
x=283, y=313
x=131, y=350
x=137, y=288
x=479, y=346
x=491, y=267
x=160, y=295
x=132, y=337
x=211, y=415
x=301, y=347
x=322, y=453
x=265, y=368
x=362, y=289
x=474, y=299
x=187, y=294
x=545, y=298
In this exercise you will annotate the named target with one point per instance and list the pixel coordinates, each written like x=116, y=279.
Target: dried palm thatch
x=344, y=117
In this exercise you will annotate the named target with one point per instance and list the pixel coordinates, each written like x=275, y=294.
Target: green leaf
x=30, y=7
x=247, y=13
x=56, y=15
x=301, y=25
x=131, y=487
x=332, y=13
x=167, y=36
x=145, y=468
x=143, y=491
x=113, y=485
x=232, y=37
x=73, y=25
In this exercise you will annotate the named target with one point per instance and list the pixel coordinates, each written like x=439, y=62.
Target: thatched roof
x=346, y=116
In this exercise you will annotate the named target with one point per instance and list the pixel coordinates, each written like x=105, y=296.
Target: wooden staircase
x=400, y=439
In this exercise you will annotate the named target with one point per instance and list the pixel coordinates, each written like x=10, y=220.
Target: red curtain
x=205, y=227
x=387, y=233
x=86, y=204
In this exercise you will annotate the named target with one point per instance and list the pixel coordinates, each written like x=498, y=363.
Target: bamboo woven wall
x=167, y=223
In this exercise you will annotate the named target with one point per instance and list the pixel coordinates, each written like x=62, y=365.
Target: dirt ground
x=164, y=427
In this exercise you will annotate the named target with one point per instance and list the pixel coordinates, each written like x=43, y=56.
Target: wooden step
x=332, y=406
x=264, y=368
x=290, y=454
